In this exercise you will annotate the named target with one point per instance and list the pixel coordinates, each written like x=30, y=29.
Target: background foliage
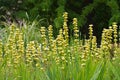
x=97, y=12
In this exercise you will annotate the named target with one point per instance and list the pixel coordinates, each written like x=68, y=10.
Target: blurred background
x=100, y=13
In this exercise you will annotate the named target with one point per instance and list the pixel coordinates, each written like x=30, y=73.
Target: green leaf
x=114, y=70
x=98, y=71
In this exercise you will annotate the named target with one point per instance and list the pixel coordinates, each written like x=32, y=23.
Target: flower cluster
x=65, y=27
x=76, y=31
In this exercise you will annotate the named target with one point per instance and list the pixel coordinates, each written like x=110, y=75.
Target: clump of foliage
x=50, y=12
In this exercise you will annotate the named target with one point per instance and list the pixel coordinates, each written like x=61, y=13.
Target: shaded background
x=100, y=13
